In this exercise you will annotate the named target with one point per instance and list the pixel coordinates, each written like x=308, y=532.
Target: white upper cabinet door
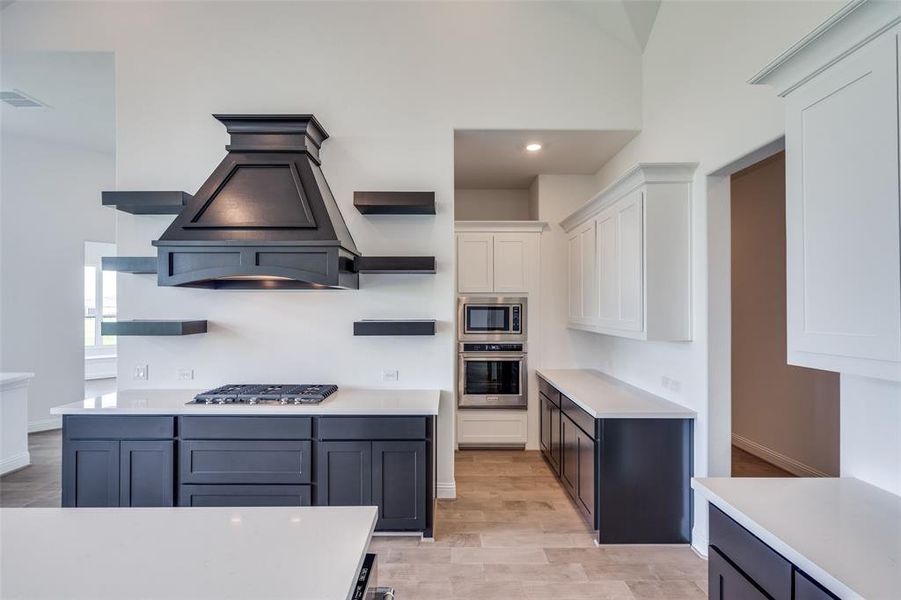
x=587, y=239
x=842, y=215
x=574, y=264
x=619, y=263
x=475, y=262
x=511, y=269
x=607, y=268
x=630, y=252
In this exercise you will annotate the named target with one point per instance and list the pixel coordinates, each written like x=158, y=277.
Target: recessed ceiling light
x=533, y=147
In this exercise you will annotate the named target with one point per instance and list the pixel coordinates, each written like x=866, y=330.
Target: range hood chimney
x=265, y=218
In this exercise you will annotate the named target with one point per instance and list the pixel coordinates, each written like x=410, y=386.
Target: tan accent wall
x=790, y=411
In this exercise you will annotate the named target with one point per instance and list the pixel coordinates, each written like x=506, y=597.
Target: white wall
x=492, y=205
x=697, y=106
x=390, y=82
x=49, y=206
x=871, y=431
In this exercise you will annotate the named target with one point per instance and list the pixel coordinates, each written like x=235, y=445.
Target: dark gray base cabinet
x=387, y=462
x=389, y=474
x=743, y=567
x=614, y=469
x=100, y=469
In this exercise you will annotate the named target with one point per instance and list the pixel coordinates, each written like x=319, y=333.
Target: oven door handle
x=510, y=356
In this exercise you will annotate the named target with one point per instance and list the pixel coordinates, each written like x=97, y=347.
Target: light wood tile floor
x=513, y=533
x=745, y=464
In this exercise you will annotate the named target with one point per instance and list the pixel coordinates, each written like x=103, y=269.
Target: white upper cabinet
x=630, y=256
x=475, y=262
x=502, y=262
x=843, y=213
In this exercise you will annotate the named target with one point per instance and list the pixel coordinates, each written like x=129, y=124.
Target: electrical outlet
x=141, y=372
x=675, y=385
x=185, y=374
x=389, y=375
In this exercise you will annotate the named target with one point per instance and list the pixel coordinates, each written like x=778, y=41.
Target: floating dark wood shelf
x=395, y=264
x=395, y=203
x=398, y=327
x=150, y=327
x=147, y=203
x=143, y=265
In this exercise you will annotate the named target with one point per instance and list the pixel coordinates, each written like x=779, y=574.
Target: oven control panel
x=492, y=347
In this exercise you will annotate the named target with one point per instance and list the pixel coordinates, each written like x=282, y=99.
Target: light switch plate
x=141, y=372
x=390, y=375
x=185, y=374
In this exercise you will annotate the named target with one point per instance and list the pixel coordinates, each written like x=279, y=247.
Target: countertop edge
x=678, y=412
x=773, y=541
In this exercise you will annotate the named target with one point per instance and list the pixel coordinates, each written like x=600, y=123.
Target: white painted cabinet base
x=14, y=421
x=492, y=428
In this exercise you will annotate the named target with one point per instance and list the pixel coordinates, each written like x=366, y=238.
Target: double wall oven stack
x=493, y=351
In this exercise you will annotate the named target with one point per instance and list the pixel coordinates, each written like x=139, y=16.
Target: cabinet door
x=556, y=446
x=399, y=483
x=842, y=214
x=545, y=425
x=586, y=474
x=475, y=262
x=147, y=473
x=344, y=474
x=726, y=583
x=90, y=473
x=583, y=296
x=574, y=262
x=511, y=262
x=620, y=252
x=569, y=466
x=630, y=238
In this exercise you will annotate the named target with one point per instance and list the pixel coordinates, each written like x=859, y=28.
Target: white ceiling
x=497, y=159
x=78, y=89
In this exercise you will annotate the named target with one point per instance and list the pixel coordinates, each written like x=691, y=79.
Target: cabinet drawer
x=726, y=583
x=578, y=416
x=372, y=428
x=258, y=461
x=245, y=428
x=548, y=390
x=244, y=495
x=115, y=427
x=808, y=589
x=757, y=560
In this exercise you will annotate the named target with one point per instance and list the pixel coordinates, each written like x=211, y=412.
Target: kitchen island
x=167, y=553
x=622, y=454
x=358, y=447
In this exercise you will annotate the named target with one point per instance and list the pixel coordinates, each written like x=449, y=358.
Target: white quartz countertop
x=346, y=401
x=605, y=397
x=308, y=553
x=843, y=532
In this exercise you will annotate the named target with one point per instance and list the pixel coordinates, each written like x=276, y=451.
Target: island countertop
x=843, y=532
x=605, y=397
x=302, y=553
x=346, y=401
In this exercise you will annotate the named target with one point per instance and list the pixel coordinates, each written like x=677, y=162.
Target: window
x=99, y=304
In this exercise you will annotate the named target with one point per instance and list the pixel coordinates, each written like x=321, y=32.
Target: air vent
x=20, y=100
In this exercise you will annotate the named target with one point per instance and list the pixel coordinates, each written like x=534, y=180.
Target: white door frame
x=719, y=307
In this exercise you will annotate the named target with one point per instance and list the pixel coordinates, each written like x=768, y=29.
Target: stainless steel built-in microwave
x=491, y=318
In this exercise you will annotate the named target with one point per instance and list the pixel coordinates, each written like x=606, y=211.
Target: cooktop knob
x=208, y=401
x=252, y=401
x=283, y=401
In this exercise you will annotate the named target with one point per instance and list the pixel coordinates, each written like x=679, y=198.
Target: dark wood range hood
x=265, y=218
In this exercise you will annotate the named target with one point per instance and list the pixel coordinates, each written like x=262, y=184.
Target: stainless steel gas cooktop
x=266, y=394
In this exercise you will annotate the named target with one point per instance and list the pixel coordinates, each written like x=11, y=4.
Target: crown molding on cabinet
x=635, y=177
x=505, y=226
x=853, y=26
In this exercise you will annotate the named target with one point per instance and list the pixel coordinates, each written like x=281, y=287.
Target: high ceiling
x=498, y=159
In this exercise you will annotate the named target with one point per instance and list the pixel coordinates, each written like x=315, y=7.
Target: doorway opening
x=785, y=419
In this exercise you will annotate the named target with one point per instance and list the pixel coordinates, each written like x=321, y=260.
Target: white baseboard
x=446, y=491
x=45, y=424
x=12, y=463
x=699, y=543
x=793, y=466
